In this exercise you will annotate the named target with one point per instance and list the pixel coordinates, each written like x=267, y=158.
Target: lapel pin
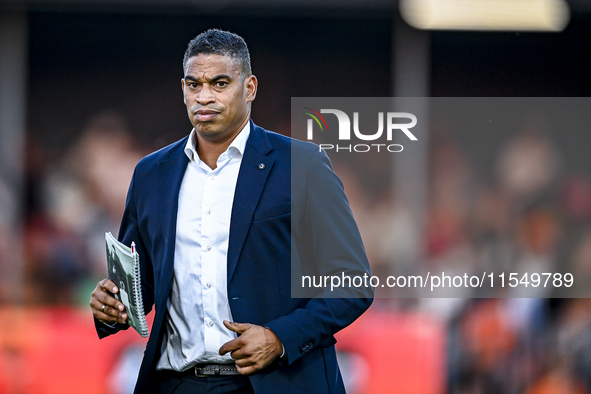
x=261, y=166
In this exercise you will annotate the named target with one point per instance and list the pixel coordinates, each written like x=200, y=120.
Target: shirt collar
x=238, y=145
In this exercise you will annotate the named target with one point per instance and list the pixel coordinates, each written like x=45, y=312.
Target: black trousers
x=187, y=383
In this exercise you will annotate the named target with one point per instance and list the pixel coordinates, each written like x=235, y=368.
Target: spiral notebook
x=123, y=264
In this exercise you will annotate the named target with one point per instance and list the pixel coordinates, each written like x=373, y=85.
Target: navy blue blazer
x=272, y=207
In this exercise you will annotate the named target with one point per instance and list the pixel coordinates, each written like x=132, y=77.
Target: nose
x=205, y=95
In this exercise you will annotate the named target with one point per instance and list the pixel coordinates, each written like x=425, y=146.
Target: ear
x=250, y=84
x=183, y=88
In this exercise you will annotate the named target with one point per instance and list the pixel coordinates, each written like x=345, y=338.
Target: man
x=218, y=219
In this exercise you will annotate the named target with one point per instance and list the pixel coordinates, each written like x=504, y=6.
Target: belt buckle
x=208, y=370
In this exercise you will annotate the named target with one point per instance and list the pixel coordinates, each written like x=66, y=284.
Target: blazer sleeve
x=328, y=242
x=129, y=232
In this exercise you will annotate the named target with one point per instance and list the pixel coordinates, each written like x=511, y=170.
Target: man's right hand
x=104, y=306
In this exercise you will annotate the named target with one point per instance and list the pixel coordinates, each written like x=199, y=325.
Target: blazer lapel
x=171, y=174
x=253, y=174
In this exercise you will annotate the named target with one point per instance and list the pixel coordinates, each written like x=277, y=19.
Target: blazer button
x=261, y=166
x=307, y=348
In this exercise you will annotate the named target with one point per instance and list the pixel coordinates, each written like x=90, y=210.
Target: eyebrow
x=214, y=79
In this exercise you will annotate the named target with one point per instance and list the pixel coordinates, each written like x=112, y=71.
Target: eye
x=221, y=84
x=192, y=85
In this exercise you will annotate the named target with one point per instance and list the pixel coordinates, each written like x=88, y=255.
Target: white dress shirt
x=198, y=301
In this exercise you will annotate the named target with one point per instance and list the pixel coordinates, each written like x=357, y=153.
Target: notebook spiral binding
x=138, y=301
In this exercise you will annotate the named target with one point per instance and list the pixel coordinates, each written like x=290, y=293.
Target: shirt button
x=208, y=285
x=209, y=211
x=210, y=323
x=208, y=248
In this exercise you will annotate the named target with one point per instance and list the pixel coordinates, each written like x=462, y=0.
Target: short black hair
x=220, y=42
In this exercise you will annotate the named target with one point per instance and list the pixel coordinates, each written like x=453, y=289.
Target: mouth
x=205, y=115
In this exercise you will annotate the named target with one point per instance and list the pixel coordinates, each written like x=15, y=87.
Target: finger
x=239, y=354
x=108, y=285
x=104, y=296
x=106, y=303
x=247, y=370
x=230, y=346
x=238, y=328
x=110, y=318
x=105, y=312
x=110, y=311
x=247, y=362
x=107, y=299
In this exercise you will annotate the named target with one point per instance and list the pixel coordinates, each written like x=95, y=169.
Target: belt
x=215, y=369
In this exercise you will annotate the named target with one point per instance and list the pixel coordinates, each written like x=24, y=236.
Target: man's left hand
x=254, y=349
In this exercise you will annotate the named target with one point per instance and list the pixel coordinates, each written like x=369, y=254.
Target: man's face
x=217, y=98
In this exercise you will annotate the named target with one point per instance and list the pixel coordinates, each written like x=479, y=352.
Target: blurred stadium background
x=87, y=87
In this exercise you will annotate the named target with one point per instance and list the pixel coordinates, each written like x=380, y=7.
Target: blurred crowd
x=73, y=198
x=530, y=212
